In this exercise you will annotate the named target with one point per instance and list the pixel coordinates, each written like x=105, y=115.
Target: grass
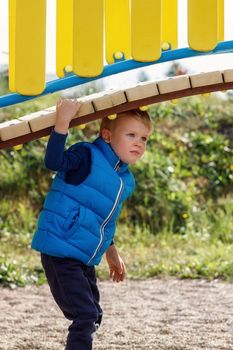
x=145, y=255
x=183, y=256
x=204, y=254
x=204, y=250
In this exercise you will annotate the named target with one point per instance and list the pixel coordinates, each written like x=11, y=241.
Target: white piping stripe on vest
x=116, y=166
x=107, y=220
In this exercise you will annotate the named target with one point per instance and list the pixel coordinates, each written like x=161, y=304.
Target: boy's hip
x=64, y=261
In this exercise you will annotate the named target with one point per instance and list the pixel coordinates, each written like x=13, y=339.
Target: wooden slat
x=103, y=101
x=228, y=75
x=86, y=106
x=146, y=30
x=64, y=36
x=170, y=23
x=107, y=100
x=204, y=79
x=143, y=90
x=117, y=29
x=27, y=46
x=13, y=128
x=203, y=24
x=118, y=97
x=174, y=84
x=88, y=38
x=40, y=120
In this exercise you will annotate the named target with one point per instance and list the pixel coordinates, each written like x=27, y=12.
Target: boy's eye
x=130, y=135
x=144, y=139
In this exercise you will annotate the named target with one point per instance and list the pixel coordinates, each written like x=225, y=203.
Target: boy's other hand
x=116, y=264
x=65, y=111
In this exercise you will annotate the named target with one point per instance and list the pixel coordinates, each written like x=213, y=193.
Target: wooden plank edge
x=120, y=108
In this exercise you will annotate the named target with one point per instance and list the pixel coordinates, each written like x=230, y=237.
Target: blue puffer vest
x=79, y=221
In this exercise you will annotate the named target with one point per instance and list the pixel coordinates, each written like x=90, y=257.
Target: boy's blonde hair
x=143, y=116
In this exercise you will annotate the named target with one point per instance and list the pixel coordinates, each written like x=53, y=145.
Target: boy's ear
x=106, y=135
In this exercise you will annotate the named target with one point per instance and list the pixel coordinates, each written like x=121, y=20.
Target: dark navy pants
x=73, y=286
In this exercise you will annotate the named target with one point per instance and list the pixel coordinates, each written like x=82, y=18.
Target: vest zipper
x=117, y=166
x=108, y=218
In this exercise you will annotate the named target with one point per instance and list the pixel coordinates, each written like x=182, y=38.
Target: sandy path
x=152, y=314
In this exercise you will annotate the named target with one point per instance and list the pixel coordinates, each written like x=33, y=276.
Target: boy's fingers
x=77, y=104
x=122, y=277
x=122, y=269
x=59, y=101
x=118, y=274
x=116, y=277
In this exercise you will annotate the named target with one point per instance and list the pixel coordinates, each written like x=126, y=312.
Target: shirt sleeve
x=54, y=156
x=75, y=158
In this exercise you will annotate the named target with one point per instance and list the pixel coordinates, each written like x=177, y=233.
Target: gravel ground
x=152, y=314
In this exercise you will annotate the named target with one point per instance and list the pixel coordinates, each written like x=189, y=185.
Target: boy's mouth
x=135, y=153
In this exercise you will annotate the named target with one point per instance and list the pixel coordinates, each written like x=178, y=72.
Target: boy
x=77, y=223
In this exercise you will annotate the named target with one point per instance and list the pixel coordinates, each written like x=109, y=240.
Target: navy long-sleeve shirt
x=76, y=163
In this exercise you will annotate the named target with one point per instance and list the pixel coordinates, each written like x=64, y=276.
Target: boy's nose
x=138, y=142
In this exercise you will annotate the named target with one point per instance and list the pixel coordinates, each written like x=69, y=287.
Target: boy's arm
x=55, y=157
x=55, y=151
x=65, y=111
x=116, y=264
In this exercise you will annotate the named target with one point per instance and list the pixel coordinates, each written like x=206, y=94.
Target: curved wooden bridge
x=39, y=124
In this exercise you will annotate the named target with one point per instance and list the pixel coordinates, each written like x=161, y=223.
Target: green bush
x=185, y=166
x=12, y=274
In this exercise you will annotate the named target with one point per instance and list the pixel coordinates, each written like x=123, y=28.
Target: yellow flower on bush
x=184, y=215
x=231, y=167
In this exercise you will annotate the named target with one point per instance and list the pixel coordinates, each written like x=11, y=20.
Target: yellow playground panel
x=88, y=37
x=92, y=32
x=146, y=30
x=64, y=37
x=117, y=30
x=27, y=24
x=205, y=24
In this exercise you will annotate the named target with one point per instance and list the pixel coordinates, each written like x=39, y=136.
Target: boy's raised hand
x=65, y=111
x=116, y=264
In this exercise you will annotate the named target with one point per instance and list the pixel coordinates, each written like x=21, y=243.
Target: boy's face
x=128, y=138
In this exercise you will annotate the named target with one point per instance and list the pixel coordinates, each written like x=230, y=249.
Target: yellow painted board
x=221, y=20
x=170, y=23
x=28, y=45
x=11, y=24
x=117, y=28
x=146, y=30
x=64, y=36
x=88, y=37
x=203, y=24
